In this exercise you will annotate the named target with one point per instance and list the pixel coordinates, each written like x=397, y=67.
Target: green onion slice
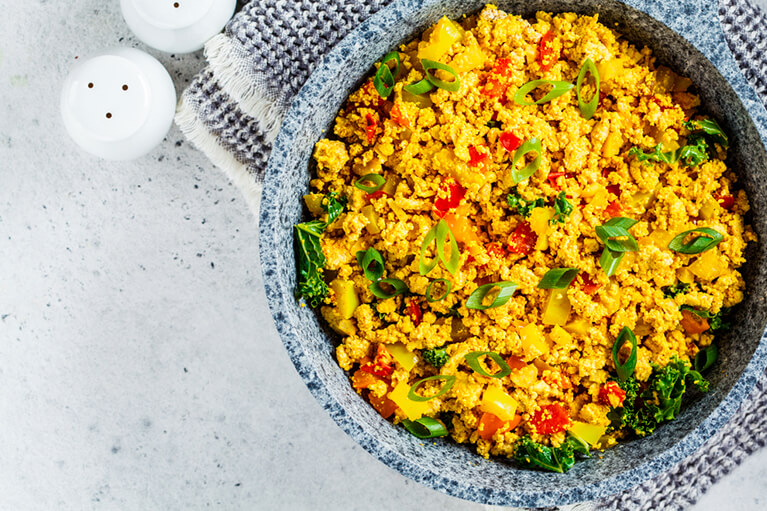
x=449, y=382
x=506, y=289
x=532, y=145
x=418, y=88
x=425, y=267
x=430, y=65
x=425, y=427
x=609, y=234
x=588, y=109
x=472, y=359
x=383, y=80
x=558, y=278
x=609, y=261
x=557, y=89
x=430, y=298
x=377, y=179
x=443, y=234
x=626, y=369
x=706, y=358
x=399, y=287
x=366, y=258
x=622, y=222
x=709, y=239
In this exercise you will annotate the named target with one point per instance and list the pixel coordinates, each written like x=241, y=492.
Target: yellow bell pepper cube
x=445, y=34
x=412, y=409
x=499, y=403
x=346, y=297
x=557, y=308
x=589, y=433
x=539, y=223
x=401, y=354
x=533, y=342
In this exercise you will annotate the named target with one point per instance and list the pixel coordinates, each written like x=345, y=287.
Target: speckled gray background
x=138, y=365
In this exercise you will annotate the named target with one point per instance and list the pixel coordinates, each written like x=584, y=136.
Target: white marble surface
x=139, y=367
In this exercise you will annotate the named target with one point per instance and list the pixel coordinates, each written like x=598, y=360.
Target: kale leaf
x=522, y=206
x=562, y=208
x=334, y=205
x=677, y=289
x=532, y=455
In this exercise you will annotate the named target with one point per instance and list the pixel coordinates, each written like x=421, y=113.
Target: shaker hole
x=90, y=85
x=176, y=5
x=109, y=115
x=125, y=87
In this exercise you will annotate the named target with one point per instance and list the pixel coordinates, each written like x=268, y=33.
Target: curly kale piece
x=311, y=284
x=311, y=261
x=437, y=357
x=660, y=401
x=708, y=127
x=523, y=207
x=562, y=208
x=677, y=289
x=532, y=455
x=334, y=205
x=705, y=133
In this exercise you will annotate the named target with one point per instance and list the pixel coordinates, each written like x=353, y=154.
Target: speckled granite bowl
x=701, y=53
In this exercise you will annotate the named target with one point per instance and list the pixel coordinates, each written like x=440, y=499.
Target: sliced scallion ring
x=609, y=261
x=418, y=88
x=532, y=145
x=588, y=109
x=430, y=298
x=709, y=239
x=372, y=263
x=506, y=289
x=610, y=236
x=443, y=235
x=377, y=179
x=384, y=80
x=430, y=65
x=557, y=89
x=622, y=222
x=424, y=267
x=472, y=359
x=449, y=382
x=558, y=278
x=399, y=287
x=425, y=427
x=626, y=369
x=706, y=358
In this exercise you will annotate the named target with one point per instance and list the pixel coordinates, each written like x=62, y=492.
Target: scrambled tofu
x=448, y=155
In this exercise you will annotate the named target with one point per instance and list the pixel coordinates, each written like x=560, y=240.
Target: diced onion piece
x=709, y=266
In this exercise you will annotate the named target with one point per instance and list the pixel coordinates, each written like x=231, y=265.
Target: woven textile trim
x=233, y=109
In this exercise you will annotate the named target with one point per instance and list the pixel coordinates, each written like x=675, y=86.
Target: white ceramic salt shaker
x=118, y=104
x=177, y=26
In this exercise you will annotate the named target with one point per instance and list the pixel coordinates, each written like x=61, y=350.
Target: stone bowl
x=687, y=36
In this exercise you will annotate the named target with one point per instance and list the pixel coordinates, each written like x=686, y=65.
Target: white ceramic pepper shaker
x=177, y=26
x=118, y=104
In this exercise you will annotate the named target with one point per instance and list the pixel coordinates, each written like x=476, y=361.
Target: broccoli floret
x=436, y=357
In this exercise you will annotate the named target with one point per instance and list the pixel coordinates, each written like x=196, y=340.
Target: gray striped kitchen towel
x=233, y=109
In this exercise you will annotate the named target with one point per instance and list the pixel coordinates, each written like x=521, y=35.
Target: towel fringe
x=194, y=130
x=229, y=65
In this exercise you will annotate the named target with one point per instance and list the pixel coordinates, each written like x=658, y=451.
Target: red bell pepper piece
x=612, y=394
x=515, y=363
x=370, y=127
x=726, y=201
x=587, y=285
x=490, y=424
x=613, y=209
x=546, y=52
x=693, y=324
x=553, y=176
x=607, y=170
x=497, y=81
x=615, y=190
x=522, y=240
x=510, y=141
x=495, y=250
x=415, y=312
x=385, y=406
x=398, y=117
x=476, y=157
x=455, y=194
x=381, y=364
x=550, y=419
x=377, y=195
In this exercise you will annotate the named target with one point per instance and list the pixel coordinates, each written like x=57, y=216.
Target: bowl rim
x=277, y=294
